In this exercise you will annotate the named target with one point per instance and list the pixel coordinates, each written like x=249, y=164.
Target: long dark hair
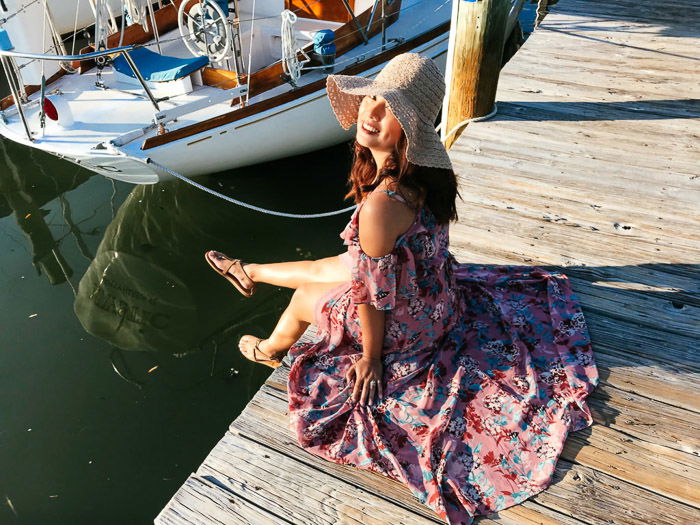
x=436, y=188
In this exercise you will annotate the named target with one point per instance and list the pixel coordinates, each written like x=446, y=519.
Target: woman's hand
x=367, y=373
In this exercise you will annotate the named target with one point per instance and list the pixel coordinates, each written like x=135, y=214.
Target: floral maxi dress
x=486, y=371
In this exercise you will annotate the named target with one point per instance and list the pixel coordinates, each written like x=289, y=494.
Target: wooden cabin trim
x=289, y=96
x=332, y=11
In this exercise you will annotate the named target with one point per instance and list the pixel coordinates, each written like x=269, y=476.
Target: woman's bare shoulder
x=382, y=220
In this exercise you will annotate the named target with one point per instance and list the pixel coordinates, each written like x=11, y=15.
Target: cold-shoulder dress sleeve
x=373, y=279
x=380, y=281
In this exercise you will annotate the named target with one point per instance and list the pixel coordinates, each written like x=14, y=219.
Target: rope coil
x=290, y=62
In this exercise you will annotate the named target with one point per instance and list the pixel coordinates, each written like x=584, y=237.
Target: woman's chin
x=364, y=139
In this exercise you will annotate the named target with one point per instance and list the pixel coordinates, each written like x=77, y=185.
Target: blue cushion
x=158, y=68
x=5, y=43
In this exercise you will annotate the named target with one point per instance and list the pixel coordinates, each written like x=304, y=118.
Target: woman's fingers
x=349, y=373
x=356, y=391
x=373, y=392
x=365, y=392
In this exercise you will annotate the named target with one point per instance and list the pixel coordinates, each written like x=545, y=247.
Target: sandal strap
x=233, y=261
x=256, y=348
x=250, y=285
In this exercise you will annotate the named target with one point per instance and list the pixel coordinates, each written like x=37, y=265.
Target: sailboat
x=198, y=86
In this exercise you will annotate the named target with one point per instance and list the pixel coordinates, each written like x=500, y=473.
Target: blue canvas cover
x=158, y=68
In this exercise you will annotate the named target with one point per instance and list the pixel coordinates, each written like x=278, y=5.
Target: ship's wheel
x=205, y=29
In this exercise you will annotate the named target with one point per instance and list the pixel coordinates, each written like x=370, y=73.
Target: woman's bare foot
x=255, y=349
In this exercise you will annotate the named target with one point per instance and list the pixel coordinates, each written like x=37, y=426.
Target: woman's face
x=375, y=113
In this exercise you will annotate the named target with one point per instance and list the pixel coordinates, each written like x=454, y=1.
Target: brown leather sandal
x=241, y=280
x=272, y=363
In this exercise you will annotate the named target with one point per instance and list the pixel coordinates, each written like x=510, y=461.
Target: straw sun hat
x=413, y=88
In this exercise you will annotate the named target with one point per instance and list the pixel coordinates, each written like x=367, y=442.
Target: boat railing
x=15, y=83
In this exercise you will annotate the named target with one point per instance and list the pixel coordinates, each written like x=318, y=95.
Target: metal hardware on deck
x=383, y=27
x=68, y=58
x=371, y=15
x=236, y=41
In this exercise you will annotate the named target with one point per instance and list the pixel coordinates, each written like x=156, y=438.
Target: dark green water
x=100, y=282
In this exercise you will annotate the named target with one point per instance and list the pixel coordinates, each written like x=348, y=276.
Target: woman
x=460, y=381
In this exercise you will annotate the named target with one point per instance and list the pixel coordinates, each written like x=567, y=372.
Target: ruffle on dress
x=382, y=281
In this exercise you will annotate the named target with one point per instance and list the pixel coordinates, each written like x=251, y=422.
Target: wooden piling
x=474, y=61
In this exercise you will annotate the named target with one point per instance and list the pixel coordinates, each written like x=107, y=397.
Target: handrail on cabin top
x=68, y=58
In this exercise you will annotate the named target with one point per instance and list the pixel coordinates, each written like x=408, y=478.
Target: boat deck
x=591, y=166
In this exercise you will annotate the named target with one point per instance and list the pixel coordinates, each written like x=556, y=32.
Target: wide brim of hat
x=345, y=93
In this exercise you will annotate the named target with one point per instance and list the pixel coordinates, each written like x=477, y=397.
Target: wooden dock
x=592, y=166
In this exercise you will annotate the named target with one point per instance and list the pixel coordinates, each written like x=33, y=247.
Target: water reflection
x=148, y=286
x=23, y=195
x=140, y=293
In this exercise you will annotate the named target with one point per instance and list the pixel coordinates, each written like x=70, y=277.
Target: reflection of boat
x=23, y=195
x=256, y=93
x=145, y=290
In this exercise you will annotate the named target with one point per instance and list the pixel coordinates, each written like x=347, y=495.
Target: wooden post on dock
x=477, y=35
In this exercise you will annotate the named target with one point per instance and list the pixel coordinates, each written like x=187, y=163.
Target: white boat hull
x=307, y=124
x=299, y=126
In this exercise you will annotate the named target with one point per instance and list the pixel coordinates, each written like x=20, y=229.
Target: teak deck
x=591, y=166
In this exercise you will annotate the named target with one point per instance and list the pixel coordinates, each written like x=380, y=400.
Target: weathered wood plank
x=646, y=419
x=671, y=473
x=288, y=487
x=597, y=498
x=201, y=502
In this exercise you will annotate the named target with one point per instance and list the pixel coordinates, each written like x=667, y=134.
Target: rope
x=290, y=61
x=246, y=205
x=137, y=10
x=467, y=121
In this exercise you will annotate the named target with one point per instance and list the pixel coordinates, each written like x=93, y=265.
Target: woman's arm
x=380, y=225
x=369, y=368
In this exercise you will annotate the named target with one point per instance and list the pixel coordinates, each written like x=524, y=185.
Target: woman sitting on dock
x=460, y=381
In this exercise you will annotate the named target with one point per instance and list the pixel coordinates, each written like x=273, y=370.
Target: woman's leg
x=292, y=324
x=293, y=274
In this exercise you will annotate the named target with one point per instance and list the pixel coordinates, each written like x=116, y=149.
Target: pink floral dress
x=486, y=371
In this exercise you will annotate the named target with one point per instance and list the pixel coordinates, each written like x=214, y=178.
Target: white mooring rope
x=246, y=205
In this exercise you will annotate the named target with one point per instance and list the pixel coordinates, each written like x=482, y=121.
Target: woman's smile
x=369, y=128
